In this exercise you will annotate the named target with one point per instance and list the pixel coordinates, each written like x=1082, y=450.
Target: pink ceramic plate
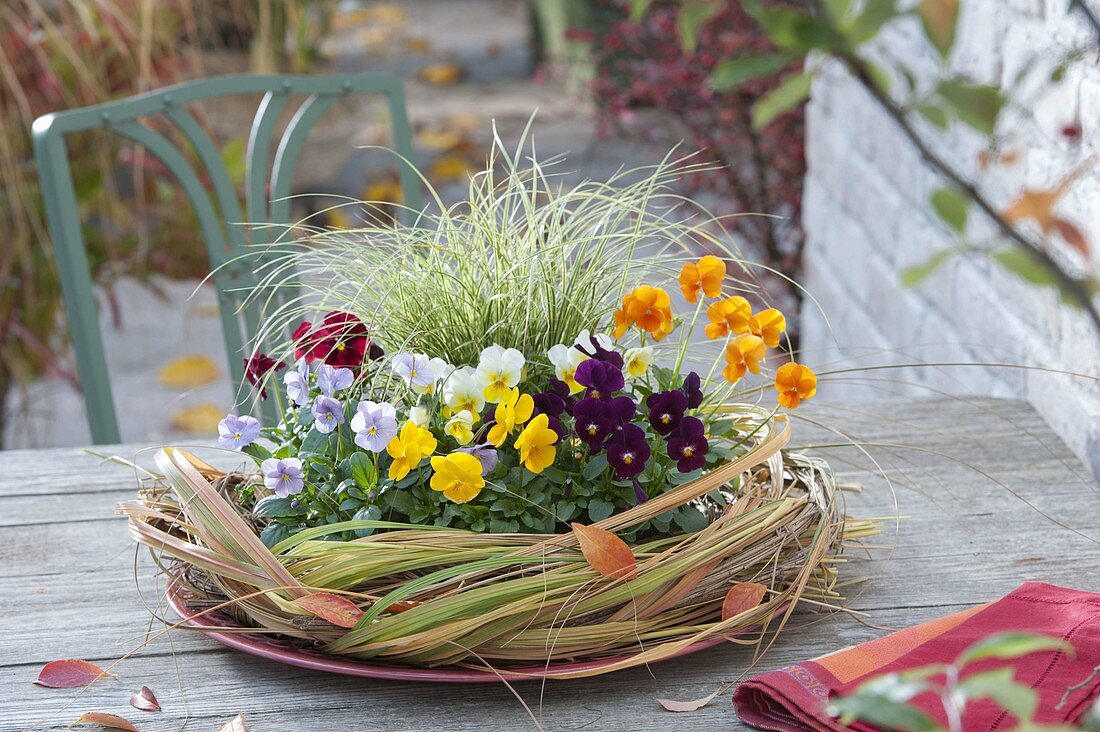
x=269, y=647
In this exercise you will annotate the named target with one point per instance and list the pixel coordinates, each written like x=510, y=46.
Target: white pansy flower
x=499, y=370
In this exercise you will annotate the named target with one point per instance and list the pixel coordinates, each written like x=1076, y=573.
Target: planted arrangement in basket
x=504, y=446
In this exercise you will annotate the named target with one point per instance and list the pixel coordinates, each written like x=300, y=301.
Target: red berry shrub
x=644, y=65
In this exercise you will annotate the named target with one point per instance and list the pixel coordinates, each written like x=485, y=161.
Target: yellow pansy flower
x=795, y=383
x=460, y=427
x=731, y=315
x=409, y=448
x=744, y=354
x=457, y=476
x=514, y=409
x=536, y=444
x=768, y=324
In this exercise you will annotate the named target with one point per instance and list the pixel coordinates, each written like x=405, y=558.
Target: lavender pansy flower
x=374, y=425
x=328, y=414
x=419, y=372
x=297, y=383
x=331, y=380
x=688, y=445
x=486, y=455
x=666, y=409
x=236, y=432
x=283, y=477
x=627, y=451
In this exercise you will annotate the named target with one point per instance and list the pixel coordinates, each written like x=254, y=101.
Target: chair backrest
x=267, y=191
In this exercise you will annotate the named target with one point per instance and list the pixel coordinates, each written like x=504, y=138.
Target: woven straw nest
x=446, y=598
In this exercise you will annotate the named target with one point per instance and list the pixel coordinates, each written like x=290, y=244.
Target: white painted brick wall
x=866, y=216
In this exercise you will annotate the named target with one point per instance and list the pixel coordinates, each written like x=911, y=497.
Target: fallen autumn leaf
x=70, y=673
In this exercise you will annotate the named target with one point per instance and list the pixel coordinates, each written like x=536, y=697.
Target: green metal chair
x=266, y=197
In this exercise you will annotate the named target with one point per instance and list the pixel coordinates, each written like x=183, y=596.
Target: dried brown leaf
x=742, y=597
x=103, y=719
x=606, y=553
x=234, y=725
x=70, y=673
x=188, y=372
x=688, y=706
x=333, y=608
x=145, y=700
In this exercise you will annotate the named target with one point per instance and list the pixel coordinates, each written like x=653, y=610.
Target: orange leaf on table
x=69, y=673
x=441, y=74
x=103, y=719
x=234, y=725
x=742, y=597
x=188, y=372
x=606, y=553
x=333, y=608
x=672, y=705
x=200, y=419
x=145, y=700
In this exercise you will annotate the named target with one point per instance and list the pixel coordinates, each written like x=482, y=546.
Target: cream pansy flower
x=463, y=390
x=499, y=370
x=638, y=360
x=461, y=426
x=585, y=338
x=419, y=416
x=565, y=360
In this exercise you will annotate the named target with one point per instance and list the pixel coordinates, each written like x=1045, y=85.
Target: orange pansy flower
x=727, y=316
x=743, y=354
x=706, y=275
x=650, y=308
x=768, y=324
x=795, y=383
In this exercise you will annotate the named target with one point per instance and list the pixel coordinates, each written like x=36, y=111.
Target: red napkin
x=794, y=699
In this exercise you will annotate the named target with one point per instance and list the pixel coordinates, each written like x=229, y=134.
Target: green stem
x=685, y=342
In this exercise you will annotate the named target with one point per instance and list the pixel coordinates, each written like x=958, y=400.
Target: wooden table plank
x=67, y=585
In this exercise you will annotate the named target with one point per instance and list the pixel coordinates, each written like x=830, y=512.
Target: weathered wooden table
x=991, y=499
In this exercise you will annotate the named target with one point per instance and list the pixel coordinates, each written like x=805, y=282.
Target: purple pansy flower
x=595, y=350
x=666, y=409
x=692, y=390
x=283, y=477
x=328, y=414
x=331, y=380
x=627, y=451
x=639, y=492
x=486, y=455
x=547, y=402
x=374, y=425
x=559, y=387
x=592, y=422
x=620, y=409
x=688, y=446
x=602, y=378
x=297, y=383
x=236, y=432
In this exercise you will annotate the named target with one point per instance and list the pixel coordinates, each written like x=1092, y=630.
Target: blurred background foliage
x=73, y=53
